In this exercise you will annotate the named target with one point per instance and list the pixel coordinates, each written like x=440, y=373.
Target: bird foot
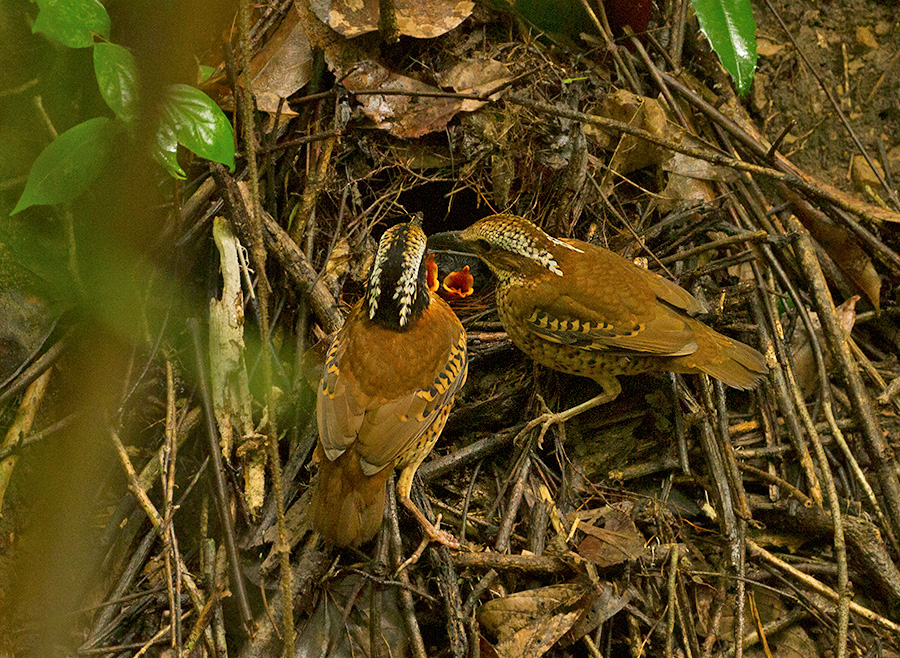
x=433, y=532
x=548, y=418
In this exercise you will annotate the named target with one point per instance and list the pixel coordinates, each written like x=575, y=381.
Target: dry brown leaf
x=340, y=52
x=338, y=264
x=475, y=76
x=865, y=37
x=805, y=370
x=401, y=115
x=528, y=623
x=769, y=606
x=607, y=604
x=684, y=192
x=840, y=244
x=863, y=176
x=424, y=19
x=283, y=65
x=413, y=116
x=793, y=642
x=767, y=47
x=632, y=153
x=612, y=537
x=339, y=627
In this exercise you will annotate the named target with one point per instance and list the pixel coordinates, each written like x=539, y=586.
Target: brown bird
x=584, y=310
x=391, y=374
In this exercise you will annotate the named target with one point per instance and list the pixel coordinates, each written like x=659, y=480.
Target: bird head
x=397, y=291
x=511, y=246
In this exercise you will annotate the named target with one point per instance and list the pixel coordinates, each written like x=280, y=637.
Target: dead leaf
x=339, y=626
x=607, y=604
x=685, y=165
x=684, y=192
x=528, y=623
x=612, y=537
x=767, y=47
x=840, y=244
x=424, y=19
x=475, y=76
x=401, y=115
x=865, y=37
x=412, y=115
x=338, y=264
x=805, y=370
x=769, y=606
x=863, y=176
x=793, y=642
x=283, y=65
x=632, y=153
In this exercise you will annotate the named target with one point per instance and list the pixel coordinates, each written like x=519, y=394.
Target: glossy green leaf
x=195, y=121
x=165, y=151
x=117, y=78
x=72, y=22
x=731, y=30
x=206, y=72
x=69, y=164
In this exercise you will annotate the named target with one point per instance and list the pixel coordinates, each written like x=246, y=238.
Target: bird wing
x=382, y=425
x=618, y=307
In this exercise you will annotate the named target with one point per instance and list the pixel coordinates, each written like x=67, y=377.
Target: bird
x=580, y=309
x=390, y=378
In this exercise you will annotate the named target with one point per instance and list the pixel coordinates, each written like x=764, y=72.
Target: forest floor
x=683, y=519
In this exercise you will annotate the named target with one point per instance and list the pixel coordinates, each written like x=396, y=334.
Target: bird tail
x=347, y=505
x=728, y=360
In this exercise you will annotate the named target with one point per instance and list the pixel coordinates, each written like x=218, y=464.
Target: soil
x=854, y=48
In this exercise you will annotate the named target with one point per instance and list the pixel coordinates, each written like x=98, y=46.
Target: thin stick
x=220, y=488
x=813, y=584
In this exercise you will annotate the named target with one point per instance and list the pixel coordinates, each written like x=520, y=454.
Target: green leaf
x=731, y=30
x=117, y=79
x=193, y=119
x=72, y=22
x=166, y=151
x=69, y=164
x=206, y=72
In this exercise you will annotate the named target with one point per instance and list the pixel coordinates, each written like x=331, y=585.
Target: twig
x=35, y=370
x=258, y=252
x=533, y=564
x=22, y=423
x=303, y=275
x=168, y=458
x=220, y=489
x=758, y=551
x=156, y=520
x=406, y=600
x=755, y=236
x=879, y=451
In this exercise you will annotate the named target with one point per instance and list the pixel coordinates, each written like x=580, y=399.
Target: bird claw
x=548, y=418
x=433, y=532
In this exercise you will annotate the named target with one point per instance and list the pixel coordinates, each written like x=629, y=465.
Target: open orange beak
x=459, y=284
x=432, y=272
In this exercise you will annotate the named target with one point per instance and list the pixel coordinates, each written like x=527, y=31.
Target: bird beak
x=449, y=241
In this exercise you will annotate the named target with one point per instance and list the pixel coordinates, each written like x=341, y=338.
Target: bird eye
x=483, y=244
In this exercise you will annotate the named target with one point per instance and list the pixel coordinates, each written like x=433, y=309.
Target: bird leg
x=404, y=486
x=611, y=390
x=412, y=559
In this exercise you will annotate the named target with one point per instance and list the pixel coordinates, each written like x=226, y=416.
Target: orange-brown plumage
x=581, y=309
x=390, y=378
